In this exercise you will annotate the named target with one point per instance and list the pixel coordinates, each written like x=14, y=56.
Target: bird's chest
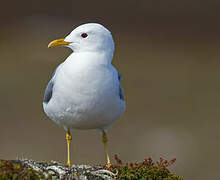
x=84, y=88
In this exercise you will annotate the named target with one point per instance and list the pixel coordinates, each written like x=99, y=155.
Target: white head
x=90, y=37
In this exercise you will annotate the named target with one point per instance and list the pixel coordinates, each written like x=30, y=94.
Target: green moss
x=145, y=170
x=14, y=170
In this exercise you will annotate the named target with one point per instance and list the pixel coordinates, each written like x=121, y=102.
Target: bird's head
x=91, y=37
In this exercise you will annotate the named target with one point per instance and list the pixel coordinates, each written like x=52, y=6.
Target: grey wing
x=121, y=94
x=49, y=90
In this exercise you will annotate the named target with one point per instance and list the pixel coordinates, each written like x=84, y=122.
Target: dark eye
x=84, y=35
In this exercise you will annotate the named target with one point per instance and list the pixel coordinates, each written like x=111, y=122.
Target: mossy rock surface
x=30, y=170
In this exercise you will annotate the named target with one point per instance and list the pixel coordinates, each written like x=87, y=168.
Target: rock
x=52, y=170
x=25, y=169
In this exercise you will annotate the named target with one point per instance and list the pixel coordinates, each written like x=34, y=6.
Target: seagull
x=85, y=91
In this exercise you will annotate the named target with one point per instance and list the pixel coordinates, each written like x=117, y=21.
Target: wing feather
x=121, y=94
x=49, y=89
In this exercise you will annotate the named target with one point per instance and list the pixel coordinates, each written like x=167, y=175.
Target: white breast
x=85, y=93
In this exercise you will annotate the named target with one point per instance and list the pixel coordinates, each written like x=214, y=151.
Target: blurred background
x=168, y=53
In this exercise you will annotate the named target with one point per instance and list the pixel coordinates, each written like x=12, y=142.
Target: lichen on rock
x=25, y=169
x=29, y=169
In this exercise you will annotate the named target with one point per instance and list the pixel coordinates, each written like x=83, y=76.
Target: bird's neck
x=101, y=57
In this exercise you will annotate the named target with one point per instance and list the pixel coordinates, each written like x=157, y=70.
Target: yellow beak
x=58, y=42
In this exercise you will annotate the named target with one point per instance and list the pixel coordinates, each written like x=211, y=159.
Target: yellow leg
x=105, y=142
x=68, y=139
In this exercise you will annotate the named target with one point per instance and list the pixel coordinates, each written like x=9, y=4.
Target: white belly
x=83, y=99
